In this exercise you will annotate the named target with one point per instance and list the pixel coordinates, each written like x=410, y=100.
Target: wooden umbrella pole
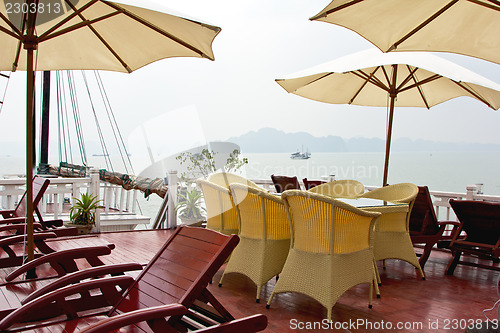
x=388, y=141
x=29, y=154
x=393, y=93
x=30, y=44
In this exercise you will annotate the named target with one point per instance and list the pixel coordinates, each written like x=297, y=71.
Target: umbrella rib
x=423, y=24
x=419, y=88
x=422, y=82
x=368, y=78
x=159, y=30
x=328, y=12
x=88, y=23
x=12, y=26
x=46, y=34
x=408, y=78
x=494, y=4
x=473, y=93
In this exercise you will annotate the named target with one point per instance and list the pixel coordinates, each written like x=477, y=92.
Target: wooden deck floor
x=439, y=304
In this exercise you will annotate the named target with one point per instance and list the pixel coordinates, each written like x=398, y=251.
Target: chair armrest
x=148, y=314
x=12, y=220
x=18, y=228
x=6, y=213
x=155, y=317
x=69, y=302
x=63, y=261
x=89, y=273
x=53, y=223
x=21, y=238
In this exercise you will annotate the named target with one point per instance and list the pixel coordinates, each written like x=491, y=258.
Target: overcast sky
x=262, y=40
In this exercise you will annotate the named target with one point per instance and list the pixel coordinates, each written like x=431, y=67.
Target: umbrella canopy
x=89, y=34
x=468, y=27
x=372, y=78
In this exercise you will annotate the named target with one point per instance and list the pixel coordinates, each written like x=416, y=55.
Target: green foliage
x=203, y=164
x=83, y=211
x=190, y=204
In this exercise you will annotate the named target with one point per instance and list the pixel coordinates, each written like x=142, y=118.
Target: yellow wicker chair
x=392, y=236
x=345, y=188
x=225, y=178
x=264, y=235
x=221, y=213
x=331, y=248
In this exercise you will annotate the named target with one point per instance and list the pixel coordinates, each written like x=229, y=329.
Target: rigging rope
x=98, y=126
x=5, y=76
x=114, y=125
x=76, y=117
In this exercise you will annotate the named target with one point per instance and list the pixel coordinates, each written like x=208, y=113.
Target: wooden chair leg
x=425, y=255
x=453, y=263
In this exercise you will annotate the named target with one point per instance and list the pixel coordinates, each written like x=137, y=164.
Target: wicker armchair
x=331, y=248
x=264, y=235
x=225, y=178
x=392, y=236
x=221, y=213
x=345, y=188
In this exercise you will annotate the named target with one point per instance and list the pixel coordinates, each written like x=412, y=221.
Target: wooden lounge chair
x=264, y=236
x=309, y=184
x=480, y=220
x=156, y=318
x=425, y=227
x=179, y=273
x=18, y=214
x=331, y=248
x=344, y=188
x=284, y=183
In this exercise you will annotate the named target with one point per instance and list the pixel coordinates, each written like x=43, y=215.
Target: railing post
x=471, y=192
x=95, y=190
x=173, y=179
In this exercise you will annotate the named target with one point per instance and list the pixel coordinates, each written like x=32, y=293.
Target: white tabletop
x=368, y=202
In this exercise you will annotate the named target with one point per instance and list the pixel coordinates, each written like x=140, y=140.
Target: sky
x=261, y=41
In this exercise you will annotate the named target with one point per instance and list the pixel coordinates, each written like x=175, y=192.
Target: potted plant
x=190, y=207
x=82, y=213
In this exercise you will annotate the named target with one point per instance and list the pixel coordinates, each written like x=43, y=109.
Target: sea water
x=440, y=171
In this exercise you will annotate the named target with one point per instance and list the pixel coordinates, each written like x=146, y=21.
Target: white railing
x=441, y=199
x=62, y=191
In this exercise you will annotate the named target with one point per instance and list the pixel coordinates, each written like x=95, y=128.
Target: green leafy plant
x=203, y=164
x=84, y=209
x=189, y=204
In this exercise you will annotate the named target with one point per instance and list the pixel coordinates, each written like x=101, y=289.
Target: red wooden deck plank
x=436, y=303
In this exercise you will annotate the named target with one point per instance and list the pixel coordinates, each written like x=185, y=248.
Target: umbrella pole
x=388, y=141
x=29, y=152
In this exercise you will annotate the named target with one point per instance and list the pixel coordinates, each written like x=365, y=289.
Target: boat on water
x=300, y=155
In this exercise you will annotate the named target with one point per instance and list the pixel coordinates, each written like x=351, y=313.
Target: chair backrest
x=39, y=187
x=285, y=183
x=225, y=178
x=345, y=188
x=180, y=271
x=402, y=192
x=309, y=184
x=221, y=213
x=322, y=224
x=262, y=215
x=479, y=219
x=423, y=219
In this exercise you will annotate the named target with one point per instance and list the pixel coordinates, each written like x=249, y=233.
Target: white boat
x=300, y=155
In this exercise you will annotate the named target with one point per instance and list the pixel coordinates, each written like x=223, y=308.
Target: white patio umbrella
x=89, y=34
x=468, y=27
x=372, y=78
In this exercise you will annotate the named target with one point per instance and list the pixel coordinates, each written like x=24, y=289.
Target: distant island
x=270, y=140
